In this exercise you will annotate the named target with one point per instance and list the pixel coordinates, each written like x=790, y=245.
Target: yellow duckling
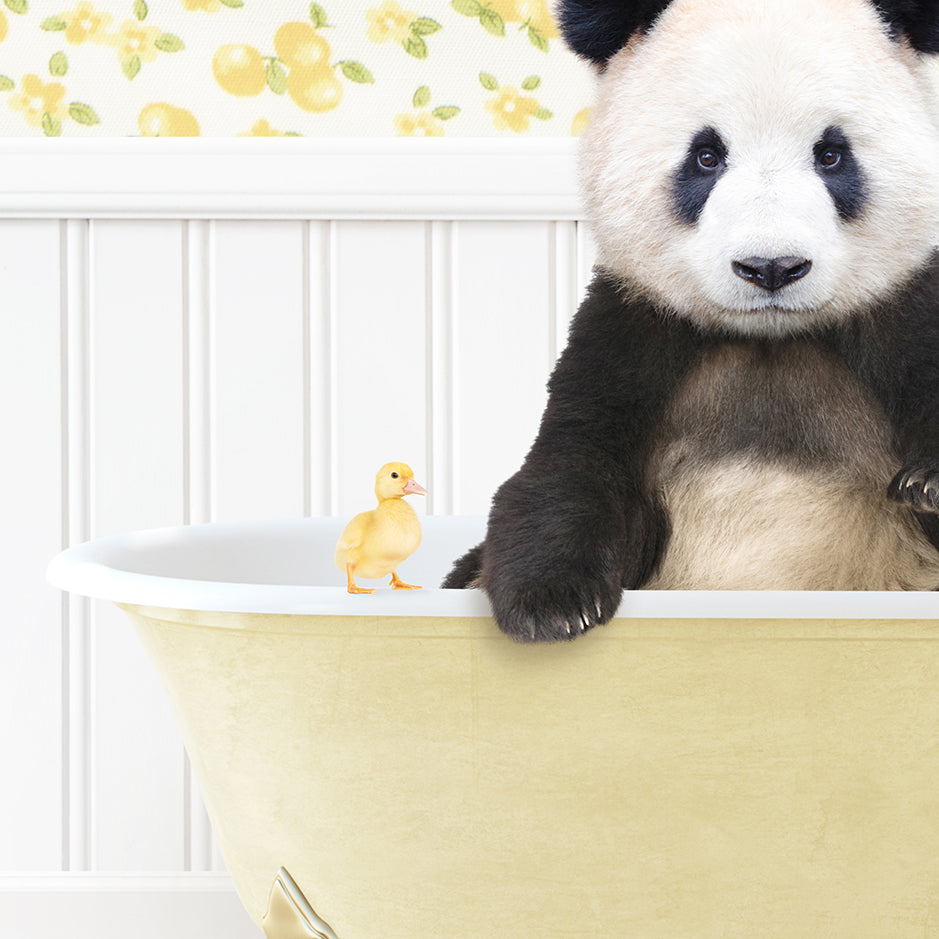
x=374, y=543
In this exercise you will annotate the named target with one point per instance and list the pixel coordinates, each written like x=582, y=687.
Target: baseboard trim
x=115, y=906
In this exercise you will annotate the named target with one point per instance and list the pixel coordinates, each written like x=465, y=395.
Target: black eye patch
x=694, y=179
x=841, y=173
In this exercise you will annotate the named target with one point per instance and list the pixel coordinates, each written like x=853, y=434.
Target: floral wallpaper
x=226, y=68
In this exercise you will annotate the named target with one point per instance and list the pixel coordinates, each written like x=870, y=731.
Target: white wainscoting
x=208, y=330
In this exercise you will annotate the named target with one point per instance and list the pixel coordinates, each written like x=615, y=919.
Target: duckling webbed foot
x=352, y=588
x=398, y=584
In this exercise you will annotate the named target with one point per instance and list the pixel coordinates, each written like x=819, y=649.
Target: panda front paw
x=917, y=486
x=554, y=610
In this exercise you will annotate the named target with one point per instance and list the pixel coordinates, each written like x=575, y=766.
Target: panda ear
x=916, y=20
x=598, y=29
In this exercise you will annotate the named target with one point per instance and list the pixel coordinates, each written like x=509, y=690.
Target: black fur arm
x=895, y=352
x=576, y=524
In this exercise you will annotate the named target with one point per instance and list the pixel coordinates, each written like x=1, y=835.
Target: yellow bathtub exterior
x=427, y=778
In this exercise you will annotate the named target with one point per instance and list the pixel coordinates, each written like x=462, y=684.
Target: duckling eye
x=394, y=475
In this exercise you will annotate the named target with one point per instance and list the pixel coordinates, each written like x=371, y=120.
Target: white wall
x=223, y=330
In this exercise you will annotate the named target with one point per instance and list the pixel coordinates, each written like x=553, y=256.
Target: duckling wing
x=349, y=546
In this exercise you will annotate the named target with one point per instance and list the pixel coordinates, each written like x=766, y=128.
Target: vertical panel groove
x=65, y=536
x=453, y=359
x=197, y=472
x=306, y=329
x=332, y=305
x=78, y=746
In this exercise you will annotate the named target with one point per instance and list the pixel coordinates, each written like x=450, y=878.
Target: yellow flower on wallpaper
x=40, y=102
x=133, y=41
x=85, y=24
x=164, y=120
x=3, y=26
x=423, y=122
x=510, y=109
x=263, y=128
x=419, y=124
x=389, y=22
x=210, y=6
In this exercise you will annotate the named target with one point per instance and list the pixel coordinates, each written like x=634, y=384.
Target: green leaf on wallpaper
x=6, y=84
x=58, y=65
x=415, y=46
x=492, y=22
x=169, y=43
x=17, y=6
x=488, y=81
x=467, y=7
x=424, y=26
x=276, y=77
x=537, y=40
x=445, y=113
x=83, y=114
x=51, y=126
x=421, y=97
x=131, y=66
x=357, y=72
x=55, y=24
x=318, y=16
x=531, y=83
x=233, y=4
x=543, y=114
x=140, y=10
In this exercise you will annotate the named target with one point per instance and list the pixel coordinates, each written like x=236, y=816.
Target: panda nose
x=771, y=273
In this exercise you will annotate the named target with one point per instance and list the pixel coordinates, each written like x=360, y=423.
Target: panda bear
x=749, y=396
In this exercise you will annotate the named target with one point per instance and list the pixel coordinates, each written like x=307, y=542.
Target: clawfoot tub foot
x=289, y=914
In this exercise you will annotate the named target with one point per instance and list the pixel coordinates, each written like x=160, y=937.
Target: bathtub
x=391, y=766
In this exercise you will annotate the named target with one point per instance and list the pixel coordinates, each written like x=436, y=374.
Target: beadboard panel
x=31, y=519
x=166, y=370
x=136, y=407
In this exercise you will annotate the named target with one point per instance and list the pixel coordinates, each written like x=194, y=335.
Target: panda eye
x=829, y=158
x=708, y=159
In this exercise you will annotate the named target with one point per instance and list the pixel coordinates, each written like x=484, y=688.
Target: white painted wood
x=77, y=634
x=381, y=355
x=318, y=389
x=258, y=368
x=98, y=906
x=137, y=469
x=467, y=178
x=31, y=512
x=440, y=392
x=503, y=342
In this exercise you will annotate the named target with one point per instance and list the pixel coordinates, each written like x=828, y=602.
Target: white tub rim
x=104, y=569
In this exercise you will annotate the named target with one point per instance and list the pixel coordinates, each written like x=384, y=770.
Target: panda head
x=763, y=167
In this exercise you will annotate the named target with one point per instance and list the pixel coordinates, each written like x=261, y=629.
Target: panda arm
x=895, y=353
x=576, y=524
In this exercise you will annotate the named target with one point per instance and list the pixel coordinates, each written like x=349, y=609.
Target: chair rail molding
x=284, y=178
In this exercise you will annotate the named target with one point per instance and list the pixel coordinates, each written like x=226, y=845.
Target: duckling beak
x=411, y=487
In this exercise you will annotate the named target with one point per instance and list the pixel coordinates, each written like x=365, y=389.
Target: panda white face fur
x=765, y=166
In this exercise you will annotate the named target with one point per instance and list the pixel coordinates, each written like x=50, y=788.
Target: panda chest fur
x=773, y=464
